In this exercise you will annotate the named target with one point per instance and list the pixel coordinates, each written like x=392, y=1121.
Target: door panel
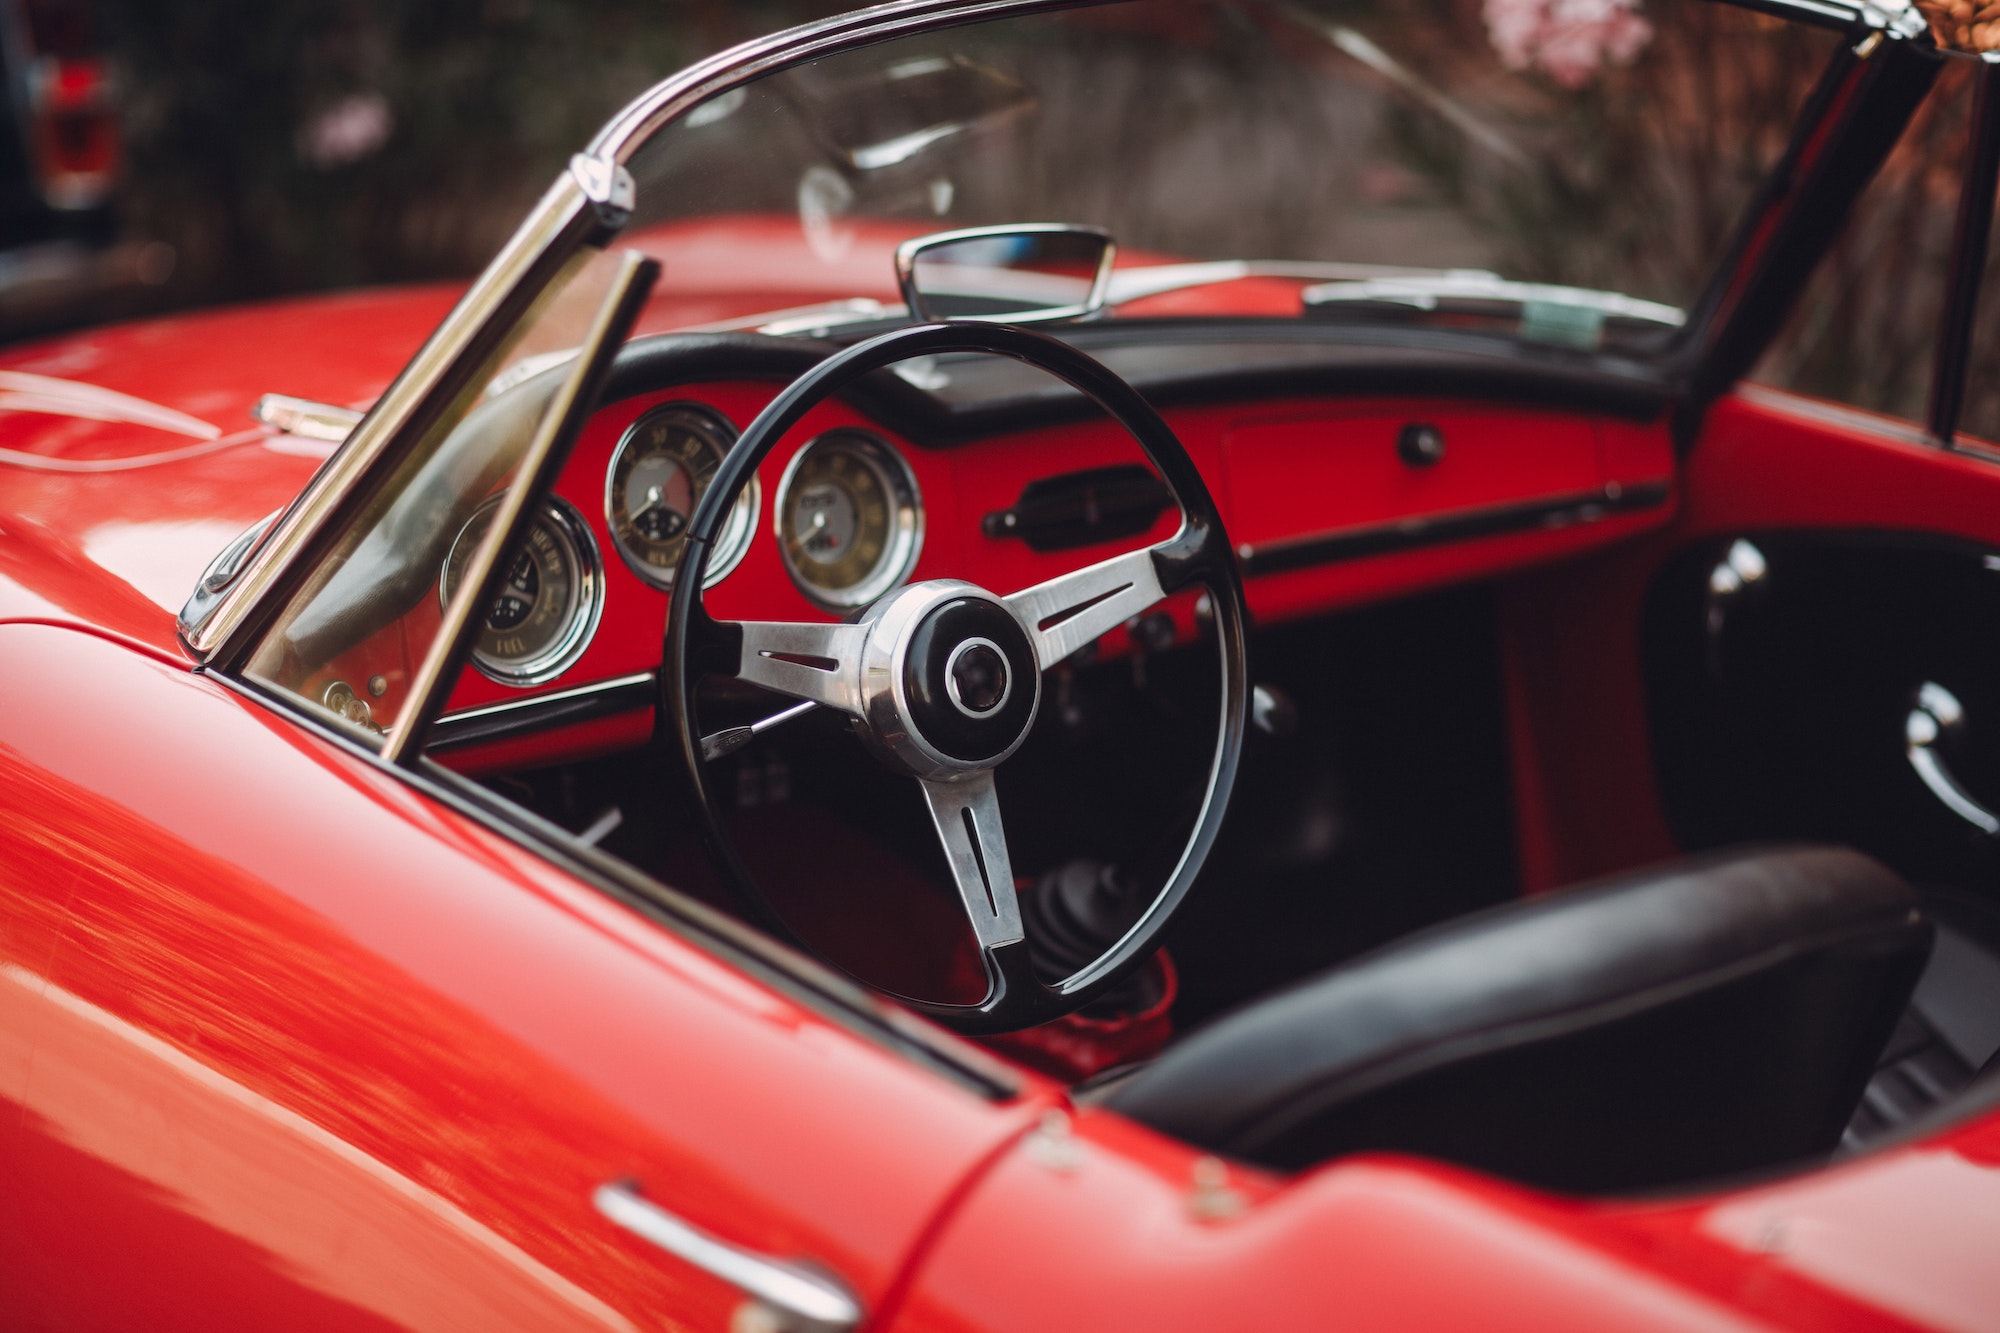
x=365, y=1062
x=1595, y=737
x=1784, y=672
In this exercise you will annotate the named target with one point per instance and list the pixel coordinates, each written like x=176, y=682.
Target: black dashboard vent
x=1082, y=508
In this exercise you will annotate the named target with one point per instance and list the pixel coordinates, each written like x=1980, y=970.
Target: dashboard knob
x=1420, y=444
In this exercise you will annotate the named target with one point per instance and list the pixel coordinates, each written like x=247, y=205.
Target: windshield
x=1439, y=161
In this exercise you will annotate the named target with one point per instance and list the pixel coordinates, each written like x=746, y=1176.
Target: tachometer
x=658, y=474
x=850, y=521
x=551, y=594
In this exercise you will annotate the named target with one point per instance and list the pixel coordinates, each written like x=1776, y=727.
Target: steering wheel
x=943, y=679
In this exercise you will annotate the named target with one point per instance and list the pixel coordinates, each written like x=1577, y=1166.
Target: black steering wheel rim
x=696, y=645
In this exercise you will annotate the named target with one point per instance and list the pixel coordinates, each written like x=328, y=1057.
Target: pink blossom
x=1569, y=40
x=347, y=131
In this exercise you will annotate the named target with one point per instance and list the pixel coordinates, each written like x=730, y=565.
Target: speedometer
x=850, y=521
x=658, y=474
x=550, y=595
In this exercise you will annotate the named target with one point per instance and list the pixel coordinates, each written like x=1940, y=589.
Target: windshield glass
x=1364, y=161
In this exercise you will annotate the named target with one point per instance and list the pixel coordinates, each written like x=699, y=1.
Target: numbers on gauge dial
x=519, y=591
x=659, y=473
x=849, y=518
x=548, y=601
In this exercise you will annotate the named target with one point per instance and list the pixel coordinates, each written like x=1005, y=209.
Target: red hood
x=120, y=550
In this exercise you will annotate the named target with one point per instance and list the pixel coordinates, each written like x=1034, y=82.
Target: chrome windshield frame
x=587, y=204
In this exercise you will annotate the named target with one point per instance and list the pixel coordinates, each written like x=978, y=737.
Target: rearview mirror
x=1020, y=274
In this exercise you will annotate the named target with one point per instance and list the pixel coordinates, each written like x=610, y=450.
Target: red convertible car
x=915, y=713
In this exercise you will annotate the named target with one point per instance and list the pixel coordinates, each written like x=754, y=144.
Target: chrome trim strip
x=1452, y=526
x=516, y=707
x=515, y=717
x=796, y=1294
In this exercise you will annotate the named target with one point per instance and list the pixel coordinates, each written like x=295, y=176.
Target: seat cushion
x=1693, y=1020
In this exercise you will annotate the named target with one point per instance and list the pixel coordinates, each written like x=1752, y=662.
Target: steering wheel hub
x=975, y=676
x=950, y=683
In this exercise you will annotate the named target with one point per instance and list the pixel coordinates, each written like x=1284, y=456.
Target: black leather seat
x=1682, y=1023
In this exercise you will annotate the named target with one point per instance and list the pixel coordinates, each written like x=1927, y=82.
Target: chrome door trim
x=801, y=1297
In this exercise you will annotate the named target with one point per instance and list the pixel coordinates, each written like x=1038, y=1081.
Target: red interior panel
x=1301, y=475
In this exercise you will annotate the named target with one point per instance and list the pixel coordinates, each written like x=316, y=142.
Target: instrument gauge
x=550, y=597
x=850, y=521
x=661, y=469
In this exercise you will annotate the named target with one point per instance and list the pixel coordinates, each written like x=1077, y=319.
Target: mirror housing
x=1021, y=274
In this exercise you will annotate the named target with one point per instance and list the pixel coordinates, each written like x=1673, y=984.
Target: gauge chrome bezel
x=906, y=524
x=736, y=534
x=586, y=560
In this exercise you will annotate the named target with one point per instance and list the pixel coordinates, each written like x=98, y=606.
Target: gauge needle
x=731, y=739
x=653, y=501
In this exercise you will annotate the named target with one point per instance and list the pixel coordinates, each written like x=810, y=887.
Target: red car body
x=287, y=1040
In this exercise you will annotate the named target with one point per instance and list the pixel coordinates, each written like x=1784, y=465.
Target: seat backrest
x=1700, y=1019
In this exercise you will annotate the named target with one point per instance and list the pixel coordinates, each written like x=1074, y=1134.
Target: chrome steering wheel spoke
x=967, y=814
x=1075, y=609
x=817, y=662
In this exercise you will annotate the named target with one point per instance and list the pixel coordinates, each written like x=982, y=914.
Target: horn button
x=970, y=680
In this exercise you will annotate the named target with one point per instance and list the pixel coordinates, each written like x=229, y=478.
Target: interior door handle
x=798, y=1297
x=1939, y=714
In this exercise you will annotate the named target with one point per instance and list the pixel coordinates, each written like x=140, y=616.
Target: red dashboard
x=1329, y=502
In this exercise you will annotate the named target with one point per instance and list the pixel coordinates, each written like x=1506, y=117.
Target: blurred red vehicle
x=59, y=165
x=826, y=747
